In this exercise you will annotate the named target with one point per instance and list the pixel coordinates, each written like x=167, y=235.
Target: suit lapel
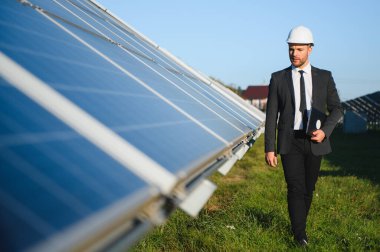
x=289, y=81
x=314, y=81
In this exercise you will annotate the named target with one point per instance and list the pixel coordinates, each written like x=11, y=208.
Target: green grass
x=248, y=212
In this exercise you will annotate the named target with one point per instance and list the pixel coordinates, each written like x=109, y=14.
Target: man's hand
x=271, y=158
x=318, y=136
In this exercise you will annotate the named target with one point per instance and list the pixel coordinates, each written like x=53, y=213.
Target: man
x=293, y=93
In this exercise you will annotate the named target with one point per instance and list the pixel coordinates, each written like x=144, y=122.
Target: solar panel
x=368, y=105
x=49, y=170
x=101, y=130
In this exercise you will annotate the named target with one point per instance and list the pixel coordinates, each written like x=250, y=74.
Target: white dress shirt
x=297, y=97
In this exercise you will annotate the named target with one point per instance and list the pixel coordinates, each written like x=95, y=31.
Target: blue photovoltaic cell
x=107, y=26
x=152, y=74
x=50, y=177
x=106, y=93
x=94, y=23
x=111, y=29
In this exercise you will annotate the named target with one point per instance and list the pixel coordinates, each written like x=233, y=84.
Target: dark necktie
x=303, y=100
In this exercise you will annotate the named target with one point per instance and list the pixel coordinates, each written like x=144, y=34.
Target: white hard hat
x=300, y=35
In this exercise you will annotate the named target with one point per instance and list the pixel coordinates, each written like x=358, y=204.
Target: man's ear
x=309, y=50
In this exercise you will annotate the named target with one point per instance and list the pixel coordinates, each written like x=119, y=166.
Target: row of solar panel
x=97, y=124
x=367, y=104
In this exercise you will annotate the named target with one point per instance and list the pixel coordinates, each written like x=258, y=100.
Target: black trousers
x=301, y=170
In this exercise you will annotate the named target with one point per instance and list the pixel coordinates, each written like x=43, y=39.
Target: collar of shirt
x=306, y=69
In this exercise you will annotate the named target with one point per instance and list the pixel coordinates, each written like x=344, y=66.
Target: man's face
x=299, y=54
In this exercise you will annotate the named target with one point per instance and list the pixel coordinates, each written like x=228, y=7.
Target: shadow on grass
x=265, y=219
x=273, y=223
x=355, y=155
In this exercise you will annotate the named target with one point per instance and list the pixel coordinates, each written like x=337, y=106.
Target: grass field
x=248, y=212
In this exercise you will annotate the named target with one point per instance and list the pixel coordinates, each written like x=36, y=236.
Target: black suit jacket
x=281, y=104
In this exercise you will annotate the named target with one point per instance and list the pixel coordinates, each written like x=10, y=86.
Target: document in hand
x=316, y=120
